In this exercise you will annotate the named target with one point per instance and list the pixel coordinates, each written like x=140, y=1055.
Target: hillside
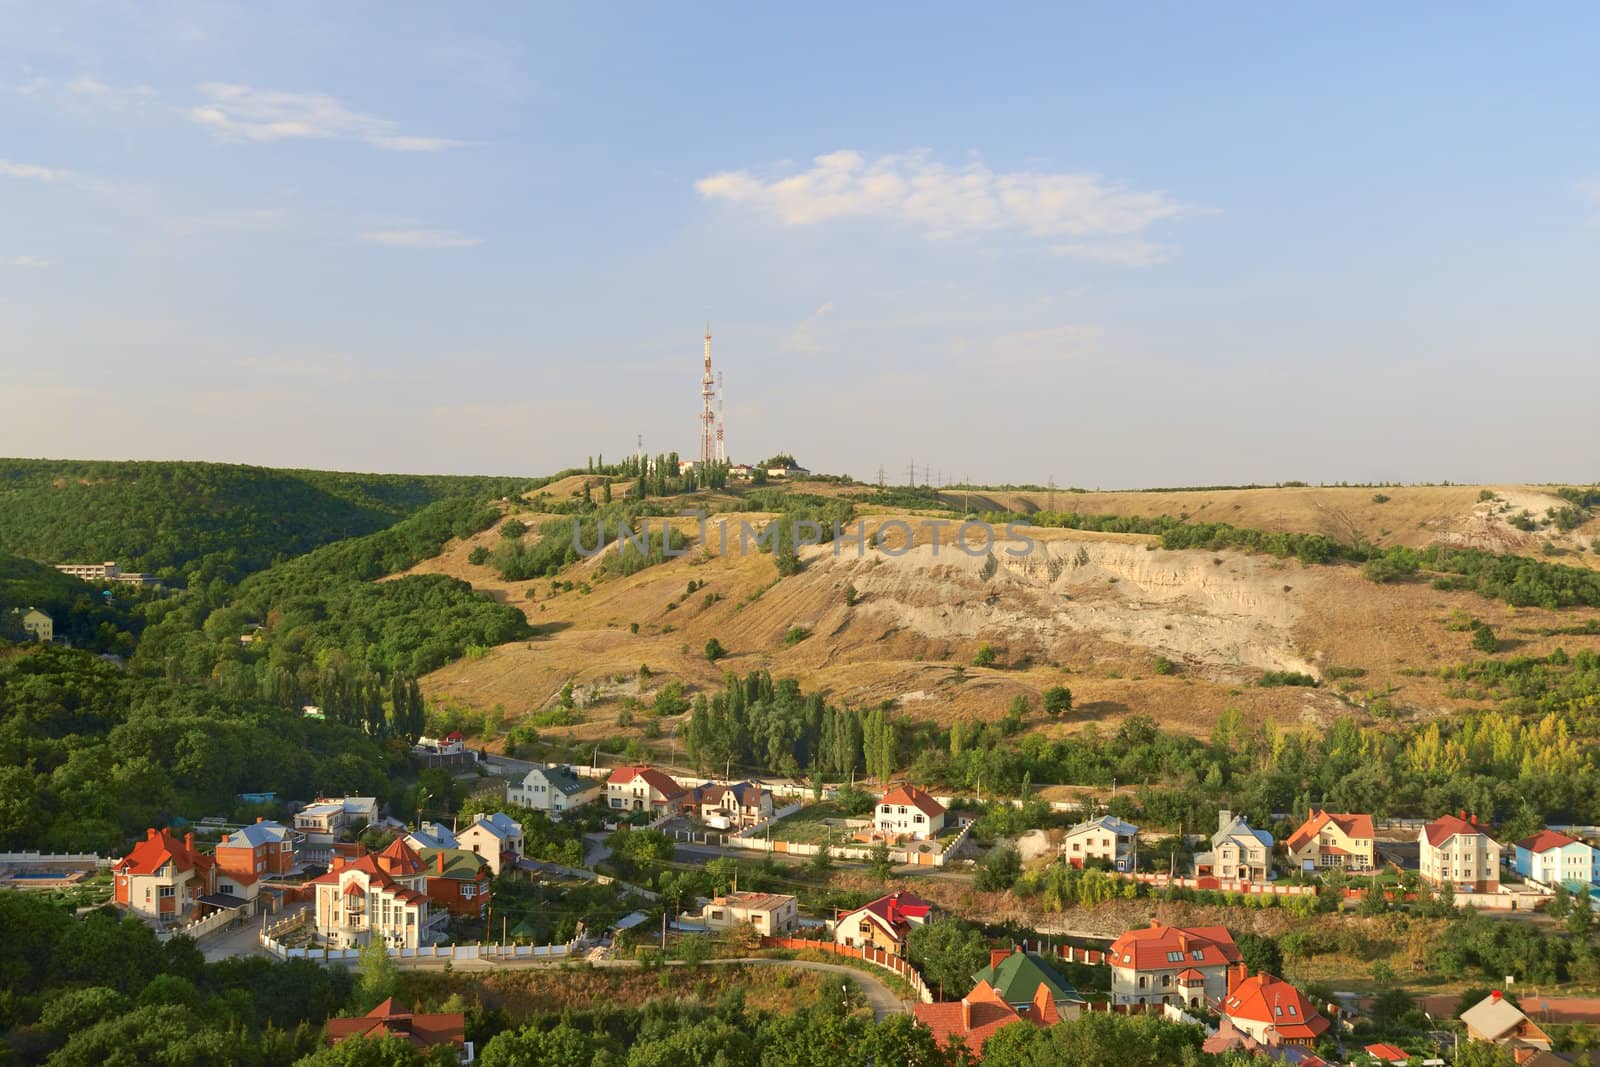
x=1130, y=627
x=199, y=521
x=78, y=612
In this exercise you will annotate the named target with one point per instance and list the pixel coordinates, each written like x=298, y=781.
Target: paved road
x=242, y=940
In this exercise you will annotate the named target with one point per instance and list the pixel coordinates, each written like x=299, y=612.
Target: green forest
x=195, y=522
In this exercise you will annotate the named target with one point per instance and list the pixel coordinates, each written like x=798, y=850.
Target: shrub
x=1274, y=679
x=478, y=556
x=513, y=529
x=851, y=596
x=1379, y=498
x=1165, y=666
x=985, y=656
x=714, y=650
x=1058, y=700
x=1483, y=638
x=795, y=635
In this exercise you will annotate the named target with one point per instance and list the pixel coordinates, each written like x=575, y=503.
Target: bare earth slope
x=1095, y=612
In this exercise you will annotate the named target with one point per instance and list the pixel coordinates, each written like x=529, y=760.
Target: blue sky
x=1119, y=248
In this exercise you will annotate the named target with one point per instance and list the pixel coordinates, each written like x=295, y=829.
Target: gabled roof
x=1264, y=998
x=1107, y=823
x=1149, y=948
x=911, y=796
x=387, y=1018
x=1545, y=840
x=1240, y=827
x=400, y=860
x=1388, y=1053
x=1445, y=827
x=160, y=847
x=746, y=794
x=1494, y=1016
x=459, y=864
x=376, y=876
x=661, y=783
x=255, y=835
x=564, y=781
x=1358, y=827
x=895, y=913
x=500, y=825
x=1020, y=976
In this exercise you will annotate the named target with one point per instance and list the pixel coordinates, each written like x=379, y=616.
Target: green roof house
x=1017, y=975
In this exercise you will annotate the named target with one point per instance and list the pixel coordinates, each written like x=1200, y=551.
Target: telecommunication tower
x=708, y=414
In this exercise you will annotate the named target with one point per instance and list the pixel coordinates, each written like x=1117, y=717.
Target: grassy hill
x=1184, y=635
x=200, y=521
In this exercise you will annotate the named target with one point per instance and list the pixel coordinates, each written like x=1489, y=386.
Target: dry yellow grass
x=1089, y=611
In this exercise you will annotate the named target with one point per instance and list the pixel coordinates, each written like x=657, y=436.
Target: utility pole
x=880, y=476
x=911, y=474
x=1052, y=492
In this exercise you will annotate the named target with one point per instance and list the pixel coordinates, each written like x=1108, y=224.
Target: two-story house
x=497, y=838
x=882, y=924
x=1453, y=849
x=1497, y=1021
x=731, y=806
x=380, y=898
x=162, y=879
x=323, y=820
x=264, y=848
x=771, y=914
x=39, y=626
x=553, y=790
x=1326, y=840
x=1273, y=1012
x=1018, y=976
x=1189, y=967
x=643, y=788
x=1106, y=838
x=1238, y=853
x=1555, y=859
x=457, y=881
x=908, y=813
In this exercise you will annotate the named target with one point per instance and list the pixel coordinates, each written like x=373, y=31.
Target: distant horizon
x=870, y=483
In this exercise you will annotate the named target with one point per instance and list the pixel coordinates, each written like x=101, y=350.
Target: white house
x=1190, y=967
x=497, y=838
x=1238, y=853
x=1555, y=859
x=770, y=913
x=909, y=812
x=1106, y=838
x=553, y=789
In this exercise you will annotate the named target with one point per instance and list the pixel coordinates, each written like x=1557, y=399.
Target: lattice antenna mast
x=708, y=414
x=722, y=449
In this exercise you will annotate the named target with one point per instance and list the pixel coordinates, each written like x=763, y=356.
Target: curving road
x=879, y=995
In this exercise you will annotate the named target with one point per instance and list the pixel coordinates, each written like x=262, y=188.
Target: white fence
x=788, y=809
x=199, y=927
x=485, y=953
x=53, y=859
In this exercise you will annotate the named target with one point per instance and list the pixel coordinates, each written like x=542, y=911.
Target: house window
x=1175, y=957
x=167, y=890
x=1198, y=954
x=468, y=892
x=919, y=819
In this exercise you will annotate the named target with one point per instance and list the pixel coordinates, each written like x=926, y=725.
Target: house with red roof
x=977, y=1016
x=1188, y=966
x=1328, y=841
x=882, y=924
x=458, y=881
x=908, y=813
x=1387, y=1053
x=382, y=898
x=422, y=1031
x=1555, y=859
x=643, y=788
x=1273, y=1012
x=1456, y=850
x=163, y=879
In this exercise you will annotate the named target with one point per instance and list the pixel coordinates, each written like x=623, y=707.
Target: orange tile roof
x=911, y=796
x=1356, y=826
x=1388, y=1053
x=662, y=783
x=976, y=1016
x=1263, y=998
x=422, y=1031
x=1148, y=948
x=159, y=847
x=1445, y=827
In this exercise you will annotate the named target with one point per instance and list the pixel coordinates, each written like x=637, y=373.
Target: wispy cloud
x=50, y=175
x=943, y=200
x=416, y=237
x=803, y=338
x=85, y=94
x=246, y=113
x=23, y=261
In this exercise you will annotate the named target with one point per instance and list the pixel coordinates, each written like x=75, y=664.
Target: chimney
x=1474, y=818
x=1462, y=814
x=966, y=1016
x=1237, y=973
x=1224, y=817
x=188, y=841
x=439, y=861
x=1496, y=995
x=150, y=833
x=261, y=818
x=997, y=956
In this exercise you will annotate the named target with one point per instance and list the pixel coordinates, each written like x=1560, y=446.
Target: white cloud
x=245, y=113
x=49, y=175
x=24, y=261
x=943, y=200
x=803, y=338
x=416, y=237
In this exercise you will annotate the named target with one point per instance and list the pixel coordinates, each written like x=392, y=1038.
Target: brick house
x=457, y=881
x=1455, y=850
x=162, y=879
x=729, y=806
x=1273, y=1012
x=260, y=849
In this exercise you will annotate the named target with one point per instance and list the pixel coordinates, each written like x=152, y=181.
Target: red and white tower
x=708, y=413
